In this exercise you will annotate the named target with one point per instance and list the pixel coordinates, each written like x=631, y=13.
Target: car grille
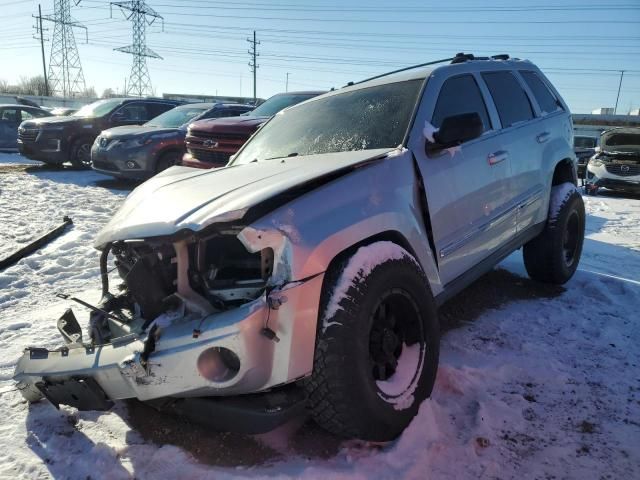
x=28, y=134
x=624, y=170
x=218, y=137
x=219, y=158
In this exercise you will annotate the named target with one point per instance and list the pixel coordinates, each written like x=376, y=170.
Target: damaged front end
x=211, y=313
x=617, y=164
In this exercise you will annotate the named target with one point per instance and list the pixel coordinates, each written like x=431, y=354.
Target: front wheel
x=81, y=153
x=377, y=345
x=553, y=256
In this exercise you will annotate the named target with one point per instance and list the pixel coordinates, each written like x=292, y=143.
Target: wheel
x=377, y=345
x=81, y=153
x=553, y=256
x=168, y=159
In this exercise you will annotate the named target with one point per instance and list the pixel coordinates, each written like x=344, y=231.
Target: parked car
x=56, y=140
x=616, y=166
x=210, y=143
x=305, y=275
x=10, y=118
x=584, y=147
x=63, y=111
x=139, y=152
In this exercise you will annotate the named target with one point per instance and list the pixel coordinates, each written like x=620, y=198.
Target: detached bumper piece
x=83, y=393
x=249, y=414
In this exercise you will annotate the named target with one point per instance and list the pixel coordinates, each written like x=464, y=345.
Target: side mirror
x=455, y=130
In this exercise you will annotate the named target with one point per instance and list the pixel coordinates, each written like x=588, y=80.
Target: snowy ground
x=534, y=382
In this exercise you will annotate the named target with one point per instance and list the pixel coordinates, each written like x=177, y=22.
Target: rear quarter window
x=510, y=99
x=545, y=98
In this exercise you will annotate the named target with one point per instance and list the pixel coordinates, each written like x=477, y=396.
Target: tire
x=553, y=256
x=168, y=159
x=81, y=153
x=353, y=390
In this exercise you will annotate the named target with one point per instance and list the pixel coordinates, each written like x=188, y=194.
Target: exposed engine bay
x=202, y=275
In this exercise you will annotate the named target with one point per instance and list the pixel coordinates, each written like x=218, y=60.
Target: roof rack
x=458, y=58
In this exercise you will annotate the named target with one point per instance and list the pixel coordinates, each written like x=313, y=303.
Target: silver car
x=305, y=275
x=616, y=165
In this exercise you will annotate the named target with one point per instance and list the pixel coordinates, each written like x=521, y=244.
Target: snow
x=558, y=196
x=360, y=265
x=400, y=387
x=534, y=381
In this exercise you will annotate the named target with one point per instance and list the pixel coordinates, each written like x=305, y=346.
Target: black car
x=11, y=116
x=56, y=140
x=584, y=147
x=139, y=152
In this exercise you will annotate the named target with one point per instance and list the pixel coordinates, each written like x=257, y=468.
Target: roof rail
x=458, y=58
x=401, y=70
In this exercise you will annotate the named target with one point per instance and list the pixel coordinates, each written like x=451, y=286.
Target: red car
x=210, y=143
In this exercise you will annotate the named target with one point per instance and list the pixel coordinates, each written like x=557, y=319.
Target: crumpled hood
x=621, y=140
x=135, y=130
x=187, y=198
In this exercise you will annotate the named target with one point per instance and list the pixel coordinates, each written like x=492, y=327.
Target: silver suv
x=307, y=273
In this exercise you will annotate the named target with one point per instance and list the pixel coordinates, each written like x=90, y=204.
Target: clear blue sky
x=328, y=43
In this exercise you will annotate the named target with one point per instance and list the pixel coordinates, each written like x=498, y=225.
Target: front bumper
x=134, y=163
x=175, y=366
x=49, y=147
x=599, y=176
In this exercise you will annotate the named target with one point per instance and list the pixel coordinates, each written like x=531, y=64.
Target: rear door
x=520, y=140
x=467, y=187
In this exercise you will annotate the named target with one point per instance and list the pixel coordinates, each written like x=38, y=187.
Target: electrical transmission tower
x=65, y=71
x=253, y=51
x=140, y=15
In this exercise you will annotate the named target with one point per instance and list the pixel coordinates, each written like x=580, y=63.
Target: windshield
x=584, y=142
x=176, y=117
x=364, y=119
x=279, y=102
x=98, y=109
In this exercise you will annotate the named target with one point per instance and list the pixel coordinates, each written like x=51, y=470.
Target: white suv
x=306, y=274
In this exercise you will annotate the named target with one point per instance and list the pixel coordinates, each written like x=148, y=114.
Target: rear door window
x=511, y=100
x=460, y=95
x=546, y=99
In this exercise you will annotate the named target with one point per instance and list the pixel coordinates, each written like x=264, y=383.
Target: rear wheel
x=81, y=153
x=377, y=345
x=553, y=256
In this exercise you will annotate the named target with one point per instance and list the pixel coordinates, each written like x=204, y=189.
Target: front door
x=467, y=187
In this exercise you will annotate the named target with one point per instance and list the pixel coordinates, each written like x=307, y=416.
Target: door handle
x=543, y=137
x=497, y=157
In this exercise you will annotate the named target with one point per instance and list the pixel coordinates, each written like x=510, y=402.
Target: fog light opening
x=131, y=164
x=218, y=364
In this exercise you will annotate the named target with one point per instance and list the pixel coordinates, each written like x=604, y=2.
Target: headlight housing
x=598, y=160
x=137, y=142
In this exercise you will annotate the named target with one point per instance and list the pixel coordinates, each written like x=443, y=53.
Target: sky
x=580, y=45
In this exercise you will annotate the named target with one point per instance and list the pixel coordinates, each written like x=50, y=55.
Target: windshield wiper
x=294, y=154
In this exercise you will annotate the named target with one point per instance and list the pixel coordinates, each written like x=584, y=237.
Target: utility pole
x=253, y=51
x=615, y=110
x=65, y=70
x=44, y=65
x=141, y=15
x=286, y=87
